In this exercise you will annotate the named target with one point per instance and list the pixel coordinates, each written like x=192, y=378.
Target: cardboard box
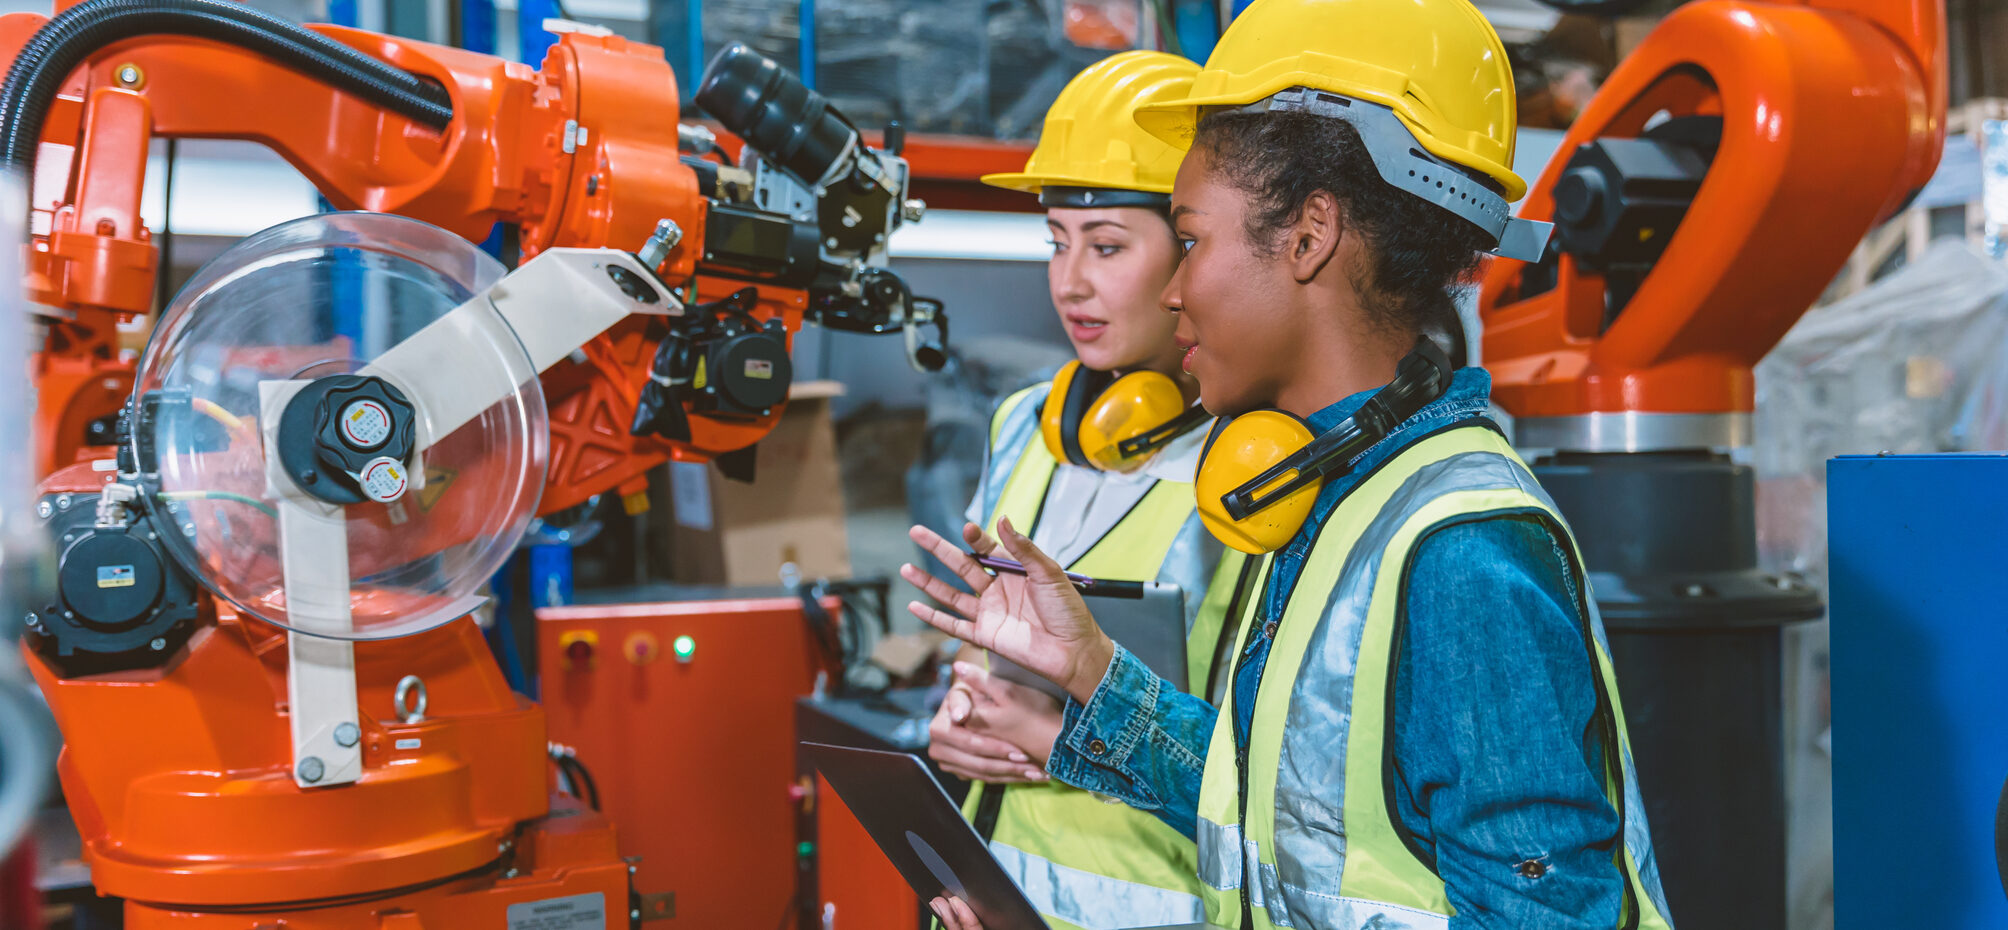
x=724, y=532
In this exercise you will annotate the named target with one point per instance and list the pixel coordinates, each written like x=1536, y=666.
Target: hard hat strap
x=1403, y=163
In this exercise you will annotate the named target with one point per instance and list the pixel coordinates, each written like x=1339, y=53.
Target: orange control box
x=684, y=713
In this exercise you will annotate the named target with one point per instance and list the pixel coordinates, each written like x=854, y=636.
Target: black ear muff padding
x=1083, y=389
x=1219, y=424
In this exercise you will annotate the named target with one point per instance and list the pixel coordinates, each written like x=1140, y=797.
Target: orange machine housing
x=508, y=156
x=178, y=777
x=1832, y=117
x=694, y=755
x=179, y=774
x=857, y=887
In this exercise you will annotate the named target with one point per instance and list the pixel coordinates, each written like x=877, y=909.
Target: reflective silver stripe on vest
x=1220, y=854
x=1096, y=902
x=1638, y=836
x=1267, y=892
x=1020, y=427
x=1311, y=773
x=1189, y=564
x=1338, y=913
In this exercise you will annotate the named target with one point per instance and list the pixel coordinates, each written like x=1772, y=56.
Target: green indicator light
x=805, y=849
x=684, y=646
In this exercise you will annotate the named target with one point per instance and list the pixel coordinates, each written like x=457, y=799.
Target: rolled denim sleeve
x=1498, y=754
x=1139, y=740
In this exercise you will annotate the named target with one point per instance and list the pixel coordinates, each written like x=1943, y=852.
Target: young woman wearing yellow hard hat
x=1422, y=728
x=1098, y=463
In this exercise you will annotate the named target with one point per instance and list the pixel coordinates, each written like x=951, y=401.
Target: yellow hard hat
x=1092, y=152
x=1431, y=73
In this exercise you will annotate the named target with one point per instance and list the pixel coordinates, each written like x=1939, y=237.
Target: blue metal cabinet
x=1919, y=567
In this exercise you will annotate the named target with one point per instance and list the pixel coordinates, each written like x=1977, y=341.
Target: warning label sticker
x=115, y=576
x=578, y=912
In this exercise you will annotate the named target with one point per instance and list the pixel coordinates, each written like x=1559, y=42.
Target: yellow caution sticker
x=437, y=480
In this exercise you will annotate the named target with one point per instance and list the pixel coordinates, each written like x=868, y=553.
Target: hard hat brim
x=1034, y=183
x=1174, y=122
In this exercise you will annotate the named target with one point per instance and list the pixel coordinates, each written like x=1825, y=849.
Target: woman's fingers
x=979, y=541
x=1039, y=566
x=986, y=688
x=957, y=704
x=944, y=733
x=970, y=765
x=961, y=563
x=965, y=919
x=944, y=621
x=960, y=601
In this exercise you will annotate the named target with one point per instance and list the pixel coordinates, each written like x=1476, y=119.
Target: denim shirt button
x=1532, y=868
x=1096, y=747
x=1269, y=630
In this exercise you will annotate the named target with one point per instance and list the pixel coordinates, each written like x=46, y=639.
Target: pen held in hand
x=1082, y=583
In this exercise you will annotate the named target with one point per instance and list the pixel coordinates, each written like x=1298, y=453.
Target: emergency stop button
x=578, y=648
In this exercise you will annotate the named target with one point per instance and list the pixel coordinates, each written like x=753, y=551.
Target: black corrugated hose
x=66, y=41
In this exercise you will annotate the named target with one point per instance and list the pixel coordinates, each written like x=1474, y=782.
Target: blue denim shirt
x=1497, y=755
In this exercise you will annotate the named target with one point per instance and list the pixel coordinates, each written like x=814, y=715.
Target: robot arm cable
x=68, y=40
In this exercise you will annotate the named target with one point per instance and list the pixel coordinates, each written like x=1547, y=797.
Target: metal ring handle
x=400, y=700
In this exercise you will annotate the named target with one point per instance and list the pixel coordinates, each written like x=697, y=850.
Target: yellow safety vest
x=1085, y=861
x=1336, y=859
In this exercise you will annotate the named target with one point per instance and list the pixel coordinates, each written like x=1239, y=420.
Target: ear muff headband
x=1159, y=437
x=1237, y=515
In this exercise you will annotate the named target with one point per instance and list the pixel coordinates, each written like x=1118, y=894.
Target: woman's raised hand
x=1037, y=620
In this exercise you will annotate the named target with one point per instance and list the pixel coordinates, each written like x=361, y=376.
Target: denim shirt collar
x=1469, y=395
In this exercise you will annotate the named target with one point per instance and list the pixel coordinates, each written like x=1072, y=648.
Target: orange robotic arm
x=1702, y=201
x=584, y=152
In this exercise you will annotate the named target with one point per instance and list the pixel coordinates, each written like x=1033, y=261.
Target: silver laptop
x=1147, y=618
x=911, y=818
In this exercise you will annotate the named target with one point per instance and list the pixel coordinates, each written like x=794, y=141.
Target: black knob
x=1579, y=196
x=336, y=427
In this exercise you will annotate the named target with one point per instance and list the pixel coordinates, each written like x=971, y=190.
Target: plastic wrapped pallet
x=1914, y=363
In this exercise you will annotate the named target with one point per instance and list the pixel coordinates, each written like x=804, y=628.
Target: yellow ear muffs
x=1260, y=473
x=1238, y=451
x=1060, y=419
x=1113, y=424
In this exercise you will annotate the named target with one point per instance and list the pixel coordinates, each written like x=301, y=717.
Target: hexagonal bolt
x=44, y=509
x=665, y=238
x=63, y=502
x=912, y=210
x=347, y=734
x=311, y=769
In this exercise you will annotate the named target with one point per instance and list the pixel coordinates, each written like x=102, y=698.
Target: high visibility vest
x=1085, y=861
x=1282, y=845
